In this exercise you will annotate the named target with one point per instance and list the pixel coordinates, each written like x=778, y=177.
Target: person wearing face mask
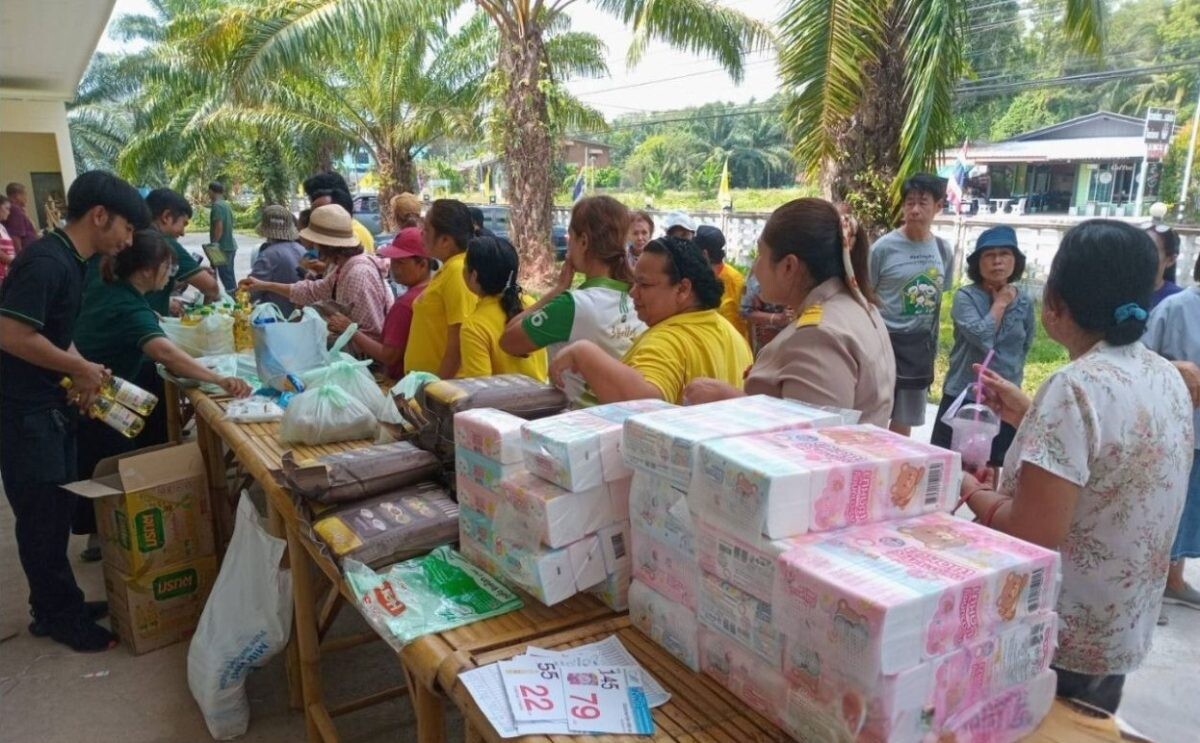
x=39, y=307
x=676, y=294
x=991, y=313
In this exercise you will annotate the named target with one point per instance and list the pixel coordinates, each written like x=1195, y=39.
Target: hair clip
x=1127, y=311
x=849, y=230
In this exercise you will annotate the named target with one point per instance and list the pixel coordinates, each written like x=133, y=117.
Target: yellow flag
x=724, y=198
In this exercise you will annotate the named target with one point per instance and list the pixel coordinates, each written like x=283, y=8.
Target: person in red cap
x=411, y=267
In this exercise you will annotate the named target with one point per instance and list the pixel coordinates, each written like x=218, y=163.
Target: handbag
x=915, y=352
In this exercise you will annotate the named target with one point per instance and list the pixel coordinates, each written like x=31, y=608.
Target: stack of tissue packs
x=554, y=493
x=669, y=623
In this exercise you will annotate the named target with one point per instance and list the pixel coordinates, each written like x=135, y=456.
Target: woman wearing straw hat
x=279, y=257
x=354, y=281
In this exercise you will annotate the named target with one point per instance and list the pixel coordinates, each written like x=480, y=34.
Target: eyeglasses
x=1159, y=227
x=174, y=269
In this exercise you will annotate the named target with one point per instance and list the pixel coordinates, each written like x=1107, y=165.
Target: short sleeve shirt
x=731, y=300
x=446, y=301
x=115, y=323
x=365, y=238
x=43, y=289
x=223, y=213
x=481, y=352
x=909, y=278
x=688, y=346
x=599, y=311
x=398, y=323
x=1117, y=422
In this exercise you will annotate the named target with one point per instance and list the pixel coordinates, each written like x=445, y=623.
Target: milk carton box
x=748, y=563
x=658, y=507
x=565, y=449
x=724, y=608
x=664, y=442
x=669, y=623
x=483, y=471
x=750, y=678
x=884, y=597
x=664, y=568
x=611, y=462
x=1006, y=717
x=906, y=706
x=492, y=433
x=786, y=483
x=561, y=516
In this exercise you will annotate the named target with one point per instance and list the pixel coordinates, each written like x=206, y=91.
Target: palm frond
x=1084, y=24
x=933, y=64
x=576, y=54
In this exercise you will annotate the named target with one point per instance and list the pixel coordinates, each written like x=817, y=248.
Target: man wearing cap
x=279, y=257
x=990, y=313
x=411, y=268
x=354, y=280
x=712, y=241
x=678, y=224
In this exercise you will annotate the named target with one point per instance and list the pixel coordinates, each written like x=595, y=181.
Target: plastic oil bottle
x=115, y=415
x=243, y=338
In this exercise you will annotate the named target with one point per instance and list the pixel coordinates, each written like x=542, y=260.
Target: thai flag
x=958, y=177
x=577, y=190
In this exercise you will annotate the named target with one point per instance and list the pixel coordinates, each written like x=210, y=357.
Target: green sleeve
x=184, y=260
x=552, y=323
x=142, y=327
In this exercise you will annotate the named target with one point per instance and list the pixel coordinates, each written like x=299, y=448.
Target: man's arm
x=23, y=341
x=206, y=282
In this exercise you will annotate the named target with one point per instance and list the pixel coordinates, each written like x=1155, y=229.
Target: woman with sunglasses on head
x=1166, y=241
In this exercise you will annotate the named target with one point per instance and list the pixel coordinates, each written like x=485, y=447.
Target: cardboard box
x=160, y=607
x=152, y=508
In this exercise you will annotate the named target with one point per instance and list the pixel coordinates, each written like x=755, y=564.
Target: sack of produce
x=326, y=415
x=359, y=473
x=390, y=527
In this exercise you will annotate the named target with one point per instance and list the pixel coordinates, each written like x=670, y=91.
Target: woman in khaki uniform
x=836, y=353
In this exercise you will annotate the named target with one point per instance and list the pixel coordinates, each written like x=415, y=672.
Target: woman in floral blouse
x=1099, y=466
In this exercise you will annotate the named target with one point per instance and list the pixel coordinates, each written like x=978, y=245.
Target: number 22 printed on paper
x=534, y=688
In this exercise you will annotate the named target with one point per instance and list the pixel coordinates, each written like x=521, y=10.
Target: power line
x=698, y=73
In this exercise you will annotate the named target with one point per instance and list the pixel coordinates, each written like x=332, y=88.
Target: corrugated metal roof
x=1095, y=149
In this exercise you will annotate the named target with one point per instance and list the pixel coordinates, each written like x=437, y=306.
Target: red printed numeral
x=588, y=711
x=531, y=696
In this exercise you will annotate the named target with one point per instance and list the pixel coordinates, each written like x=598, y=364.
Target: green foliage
x=706, y=178
x=607, y=177
x=744, y=200
x=870, y=199
x=1172, y=175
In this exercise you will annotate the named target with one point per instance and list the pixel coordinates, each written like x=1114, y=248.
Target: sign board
x=1160, y=125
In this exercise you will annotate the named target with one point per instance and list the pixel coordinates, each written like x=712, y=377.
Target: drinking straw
x=979, y=379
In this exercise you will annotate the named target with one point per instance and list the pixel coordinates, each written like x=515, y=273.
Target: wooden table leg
x=428, y=709
x=174, y=420
x=276, y=528
x=305, y=627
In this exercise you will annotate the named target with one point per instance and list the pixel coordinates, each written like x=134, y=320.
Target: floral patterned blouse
x=1117, y=421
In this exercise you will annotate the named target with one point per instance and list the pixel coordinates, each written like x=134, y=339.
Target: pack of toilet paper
x=748, y=563
x=559, y=516
x=786, y=483
x=492, y=433
x=664, y=568
x=750, y=678
x=1005, y=717
x=565, y=449
x=612, y=464
x=669, y=623
x=882, y=598
x=731, y=611
x=483, y=471
x=664, y=442
x=658, y=507
x=473, y=495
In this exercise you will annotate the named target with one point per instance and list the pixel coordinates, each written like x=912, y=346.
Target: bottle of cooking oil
x=243, y=338
x=125, y=392
x=118, y=417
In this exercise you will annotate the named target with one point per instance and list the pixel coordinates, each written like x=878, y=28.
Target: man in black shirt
x=39, y=301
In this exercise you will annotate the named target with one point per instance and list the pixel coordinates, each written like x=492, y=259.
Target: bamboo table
x=255, y=452
x=700, y=709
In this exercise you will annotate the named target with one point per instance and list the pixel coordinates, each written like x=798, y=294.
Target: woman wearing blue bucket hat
x=990, y=313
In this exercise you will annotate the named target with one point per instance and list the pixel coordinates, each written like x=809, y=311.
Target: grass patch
x=1045, y=355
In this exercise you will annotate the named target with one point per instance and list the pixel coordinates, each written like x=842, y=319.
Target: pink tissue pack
x=750, y=678
x=658, y=507
x=882, y=598
x=492, y=433
x=668, y=623
x=559, y=517
x=664, y=568
x=728, y=610
x=664, y=442
x=748, y=563
x=787, y=483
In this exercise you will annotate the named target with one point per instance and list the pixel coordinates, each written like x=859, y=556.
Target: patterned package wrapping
x=664, y=568
x=1005, y=717
x=611, y=462
x=746, y=561
x=724, y=608
x=560, y=516
x=658, y=507
x=670, y=624
x=483, y=471
x=492, y=433
x=750, y=678
x=882, y=598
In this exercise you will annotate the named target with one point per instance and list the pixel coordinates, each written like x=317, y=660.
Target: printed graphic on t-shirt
x=920, y=295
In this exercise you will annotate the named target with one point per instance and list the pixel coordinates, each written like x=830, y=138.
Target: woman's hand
x=566, y=276
x=566, y=360
x=1004, y=397
x=337, y=323
x=250, y=283
x=1005, y=296
x=702, y=390
x=234, y=387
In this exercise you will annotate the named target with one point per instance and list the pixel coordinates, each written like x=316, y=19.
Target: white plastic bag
x=282, y=348
x=245, y=623
x=325, y=415
x=211, y=336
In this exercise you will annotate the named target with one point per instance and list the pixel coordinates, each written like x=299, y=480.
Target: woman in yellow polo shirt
x=492, y=267
x=438, y=314
x=677, y=295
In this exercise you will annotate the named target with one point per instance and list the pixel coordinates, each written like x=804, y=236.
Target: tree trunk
x=397, y=173
x=528, y=153
x=869, y=145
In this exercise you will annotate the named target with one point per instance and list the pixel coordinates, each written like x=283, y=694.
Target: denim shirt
x=976, y=332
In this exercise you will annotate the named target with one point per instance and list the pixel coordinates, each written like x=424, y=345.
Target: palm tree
x=874, y=82
x=528, y=77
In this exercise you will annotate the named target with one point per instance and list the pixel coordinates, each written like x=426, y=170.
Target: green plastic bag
x=427, y=594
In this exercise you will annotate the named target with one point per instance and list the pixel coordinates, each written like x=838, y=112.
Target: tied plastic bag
x=355, y=379
x=426, y=594
x=282, y=348
x=211, y=336
x=325, y=415
x=244, y=624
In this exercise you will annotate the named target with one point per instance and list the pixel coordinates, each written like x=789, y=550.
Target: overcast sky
x=665, y=79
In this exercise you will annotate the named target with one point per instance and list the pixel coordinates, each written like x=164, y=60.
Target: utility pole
x=1191, y=156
